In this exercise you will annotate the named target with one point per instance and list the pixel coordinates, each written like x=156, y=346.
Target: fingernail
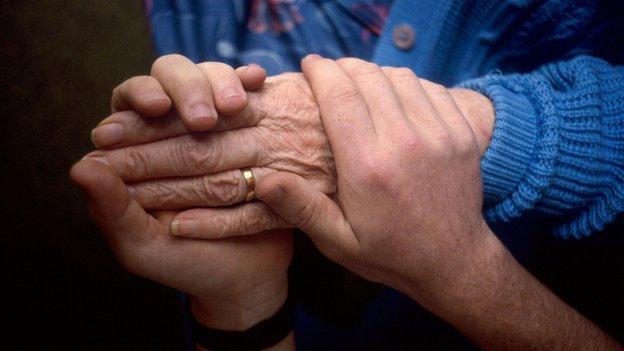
x=255, y=65
x=96, y=156
x=107, y=134
x=201, y=111
x=154, y=95
x=231, y=93
x=183, y=227
x=311, y=57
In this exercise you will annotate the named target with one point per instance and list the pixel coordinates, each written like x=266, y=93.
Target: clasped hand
x=379, y=167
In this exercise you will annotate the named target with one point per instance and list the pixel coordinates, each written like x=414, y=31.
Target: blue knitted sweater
x=551, y=67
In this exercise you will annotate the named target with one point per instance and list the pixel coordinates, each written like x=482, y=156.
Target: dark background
x=60, y=61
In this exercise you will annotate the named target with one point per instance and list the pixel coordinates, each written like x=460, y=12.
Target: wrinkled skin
x=279, y=130
x=291, y=133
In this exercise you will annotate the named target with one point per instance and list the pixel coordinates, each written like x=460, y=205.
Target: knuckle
x=374, y=172
x=254, y=219
x=208, y=66
x=440, y=139
x=343, y=92
x=199, y=155
x=442, y=145
x=140, y=83
x=287, y=96
x=165, y=62
x=409, y=142
x=349, y=64
x=165, y=196
x=348, y=61
x=402, y=73
x=224, y=189
x=365, y=69
x=136, y=163
x=436, y=89
x=292, y=91
x=380, y=178
x=465, y=143
x=366, y=166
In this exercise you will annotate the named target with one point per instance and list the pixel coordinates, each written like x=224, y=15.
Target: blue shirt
x=275, y=34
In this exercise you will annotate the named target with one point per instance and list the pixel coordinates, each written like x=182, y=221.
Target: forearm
x=499, y=305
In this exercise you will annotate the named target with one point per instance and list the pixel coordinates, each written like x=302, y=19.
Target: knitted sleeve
x=558, y=144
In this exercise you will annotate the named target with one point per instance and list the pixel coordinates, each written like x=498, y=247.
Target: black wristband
x=261, y=336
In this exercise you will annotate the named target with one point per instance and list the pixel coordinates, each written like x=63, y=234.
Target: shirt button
x=403, y=37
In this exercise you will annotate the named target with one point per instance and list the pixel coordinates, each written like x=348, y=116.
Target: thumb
x=112, y=207
x=310, y=210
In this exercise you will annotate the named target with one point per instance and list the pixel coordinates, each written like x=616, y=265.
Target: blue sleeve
x=558, y=145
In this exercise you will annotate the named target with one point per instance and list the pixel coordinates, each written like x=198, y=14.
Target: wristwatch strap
x=261, y=336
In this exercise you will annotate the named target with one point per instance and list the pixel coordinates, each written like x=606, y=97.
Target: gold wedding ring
x=250, y=183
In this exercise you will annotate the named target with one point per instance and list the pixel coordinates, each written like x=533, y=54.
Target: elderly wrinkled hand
x=278, y=130
x=168, y=167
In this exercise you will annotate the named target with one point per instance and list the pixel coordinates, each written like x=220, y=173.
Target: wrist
x=240, y=312
x=466, y=280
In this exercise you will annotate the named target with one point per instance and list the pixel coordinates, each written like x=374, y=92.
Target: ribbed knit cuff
x=511, y=149
x=557, y=146
x=587, y=187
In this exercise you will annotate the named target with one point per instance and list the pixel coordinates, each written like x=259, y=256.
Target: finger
x=343, y=111
x=216, y=223
x=143, y=94
x=252, y=76
x=447, y=109
x=116, y=213
x=187, y=155
x=310, y=210
x=413, y=98
x=229, y=95
x=378, y=93
x=221, y=189
x=189, y=89
x=129, y=128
